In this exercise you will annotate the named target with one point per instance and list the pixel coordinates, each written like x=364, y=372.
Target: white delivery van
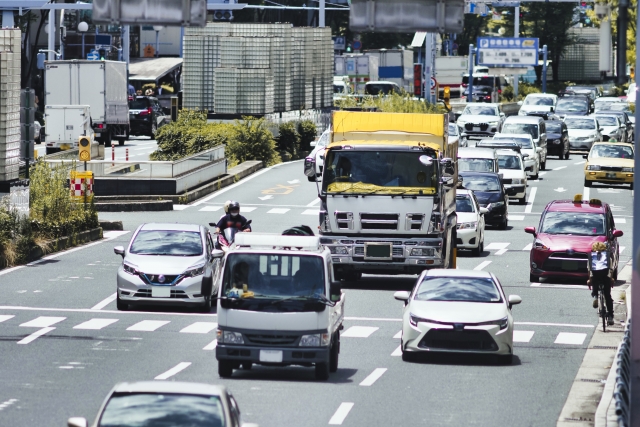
x=64, y=125
x=278, y=305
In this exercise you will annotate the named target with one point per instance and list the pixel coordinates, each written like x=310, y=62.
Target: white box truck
x=360, y=69
x=449, y=72
x=395, y=65
x=64, y=124
x=100, y=84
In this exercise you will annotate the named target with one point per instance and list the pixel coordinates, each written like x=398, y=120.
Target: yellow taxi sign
x=84, y=149
x=577, y=198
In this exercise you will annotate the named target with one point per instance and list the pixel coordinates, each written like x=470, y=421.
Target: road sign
x=357, y=45
x=433, y=83
x=93, y=55
x=339, y=43
x=103, y=39
x=502, y=51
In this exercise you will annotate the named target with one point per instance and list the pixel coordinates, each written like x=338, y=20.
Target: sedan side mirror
x=77, y=422
x=514, y=300
x=552, y=109
x=217, y=253
x=520, y=102
x=402, y=296
x=585, y=156
x=484, y=211
x=530, y=230
x=617, y=233
x=601, y=129
x=524, y=155
x=119, y=250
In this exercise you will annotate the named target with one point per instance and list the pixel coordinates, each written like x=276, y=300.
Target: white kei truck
x=64, y=125
x=278, y=305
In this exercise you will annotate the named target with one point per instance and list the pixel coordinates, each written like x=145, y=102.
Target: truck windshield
x=254, y=279
x=378, y=172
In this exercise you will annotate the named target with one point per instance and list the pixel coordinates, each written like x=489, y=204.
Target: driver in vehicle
x=233, y=219
x=308, y=280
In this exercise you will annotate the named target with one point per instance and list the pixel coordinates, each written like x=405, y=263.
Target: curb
x=588, y=391
x=111, y=225
x=134, y=206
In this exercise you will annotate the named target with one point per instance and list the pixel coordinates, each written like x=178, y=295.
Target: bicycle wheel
x=602, y=308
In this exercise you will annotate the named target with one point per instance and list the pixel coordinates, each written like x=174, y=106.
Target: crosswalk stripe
x=278, y=211
x=570, y=338
x=43, y=322
x=516, y=217
x=622, y=248
x=528, y=247
x=559, y=168
x=373, y=377
x=482, y=265
x=359, y=331
x=147, y=325
x=522, y=336
x=496, y=246
x=210, y=209
x=6, y=317
x=398, y=335
x=35, y=335
x=502, y=251
x=211, y=346
x=248, y=209
x=397, y=352
x=171, y=372
x=180, y=207
x=95, y=324
x=311, y=212
x=199, y=328
x=620, y=220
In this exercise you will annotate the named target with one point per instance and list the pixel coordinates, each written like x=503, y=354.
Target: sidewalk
x=592, y=390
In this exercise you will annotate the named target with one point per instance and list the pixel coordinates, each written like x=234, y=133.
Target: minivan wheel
x=566, y=155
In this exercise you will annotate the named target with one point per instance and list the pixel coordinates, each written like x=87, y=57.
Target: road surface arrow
x=560, y=189
x=295, y=181
x=265, y=197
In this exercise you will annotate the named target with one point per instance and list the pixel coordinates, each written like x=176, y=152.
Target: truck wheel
x=334, y=354
x=322, y=371
x=225, y=368
x=107, y=139
x=247, y=366
x=206, y=307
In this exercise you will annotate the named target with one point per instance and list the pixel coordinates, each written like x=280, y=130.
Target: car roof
x=170, y=226
x=450, y=272
x=628, y=144
x=382, y=82
x=492, y=174
x=465, y=152
x=461, y=192
x=609, y=99
x=170, y=387
x=484, y=104
x=523, y=119
x=541, y=95
x=512, y=135
x=575, y=116
x=507, y=152
x=571, y=206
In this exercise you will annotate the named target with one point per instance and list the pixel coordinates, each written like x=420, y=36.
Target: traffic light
x=349, y=48
x=102, y=53
x=84, y=149
x=446, y=95
x=417, y=79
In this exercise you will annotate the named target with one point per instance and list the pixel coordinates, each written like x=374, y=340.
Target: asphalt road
x=68, y=369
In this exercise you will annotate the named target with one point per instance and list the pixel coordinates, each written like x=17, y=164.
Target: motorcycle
x=226, y=239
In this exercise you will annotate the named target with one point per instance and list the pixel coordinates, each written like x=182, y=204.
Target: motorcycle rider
x=233, y=219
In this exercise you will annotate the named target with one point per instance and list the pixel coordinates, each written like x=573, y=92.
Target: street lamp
x=83, y=27
x=157, y=29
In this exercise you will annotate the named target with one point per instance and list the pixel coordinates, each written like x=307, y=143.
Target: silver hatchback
x=167, y=264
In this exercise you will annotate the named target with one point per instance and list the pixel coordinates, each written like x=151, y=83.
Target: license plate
x=65, y=146
x=273, y=356
x=161, y=292
x=569, y=265
x=378, y=251
x=611, y=175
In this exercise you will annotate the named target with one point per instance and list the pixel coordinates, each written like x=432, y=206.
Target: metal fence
x=621, y=394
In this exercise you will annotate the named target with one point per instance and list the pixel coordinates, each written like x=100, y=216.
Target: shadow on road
x=384, y=283
x=462, y=359
x=291, y=374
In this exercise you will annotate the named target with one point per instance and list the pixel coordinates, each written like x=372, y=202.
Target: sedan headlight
x=503, y=323
x=467, y=225
x=315, y=340
x=130, y=268
x=229, y=337
x=539, y=245
x=493, y=123
x=461, y=123
x=422, y=252
x=517, y=181
x=495, y=205
x=593, y=167
x=414, y=320
x=195, y=270
x=627, y=169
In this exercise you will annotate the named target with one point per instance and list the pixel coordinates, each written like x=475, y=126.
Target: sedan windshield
x=554, y=127
x=468, y=289
x=584, y=124
x=464, y=204
x=612, y=151
x=378, y=172
x=509, y=162
x=619, y=106
x=607, y=121
x=162, y=410
x=522, y=142
x=577, y=223
x=530, y=128
x=453, y=129
x=475, y=165
x=571, y=105
x=538, y=100
x=480, y=183
x=167, y=242
x=479, y=110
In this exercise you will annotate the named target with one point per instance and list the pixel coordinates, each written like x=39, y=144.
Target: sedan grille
x=154, y=279
x=449, y=339
x=611, y=168
x=269, y=339
x=146, y=293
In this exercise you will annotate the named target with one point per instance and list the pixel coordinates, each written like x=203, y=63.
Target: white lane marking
x=295, y=181
x=180, y=207
x=580, y=163
x=35, y=335
x=570, y=338
x=199, y=328
x=88, y=310
x=314, y=212
x=147, y=325
x=528, y=247
x=171, y=372
x=559, y=168
x=373, y=377
x=563, y=325
x=539, y=285
x=95, y=324
x=622, y=248
x=586, y=193
x=43, y=322
x=560, y=189
x=373, y=319
x=279, y=211
x=9, y=270
x=516, y=217
x=312, y=204
x=248, y=209
x=532, y=198
x=482, y=265
x=359, y=331
x=211, y=346
x=620, y=220
x=502, y=251
x=496, y=246
x=109, y=235
x=242, y=181
x=342, y=412
x=398, y=335
x=267, y=197
x=397, y=352
x=542, y=173
x=210, y=209
x=6, y=317
x=105, y=302
x=522, y=336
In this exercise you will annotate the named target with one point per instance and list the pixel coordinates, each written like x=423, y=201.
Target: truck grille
x=507, y=181
x=270, y=339
x=344, y=220
x=449, y=339
x=370, y=221
x=397, y=252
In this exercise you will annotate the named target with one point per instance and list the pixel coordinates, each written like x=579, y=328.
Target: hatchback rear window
x=139, y=104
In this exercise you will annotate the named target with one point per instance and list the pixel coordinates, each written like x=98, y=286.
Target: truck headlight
x=593, y=168
x=315, y=340
x=467, y=226
x=422, y=252
x=229, y=337
x=339, y=250
x=517, y=181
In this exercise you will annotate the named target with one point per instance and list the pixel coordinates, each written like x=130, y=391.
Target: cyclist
x=600, y=277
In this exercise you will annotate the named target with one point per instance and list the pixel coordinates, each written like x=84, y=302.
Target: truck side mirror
x=310, y=167
x=335, y=291
x=447, y=166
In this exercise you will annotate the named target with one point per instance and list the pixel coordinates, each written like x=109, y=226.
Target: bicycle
x=602, y=308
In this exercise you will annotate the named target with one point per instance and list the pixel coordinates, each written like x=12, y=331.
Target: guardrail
x=621, y=394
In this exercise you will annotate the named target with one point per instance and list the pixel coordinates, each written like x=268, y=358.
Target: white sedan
x=457, y=311
x=318, y=153
x=470, y=229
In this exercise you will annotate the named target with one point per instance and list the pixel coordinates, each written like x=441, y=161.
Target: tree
x=474, y=26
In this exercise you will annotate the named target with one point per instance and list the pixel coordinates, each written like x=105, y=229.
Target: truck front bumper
x=290, y=355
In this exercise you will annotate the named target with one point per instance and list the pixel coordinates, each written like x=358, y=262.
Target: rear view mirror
x=530, y=230
x=513, y=300
x=402, y=295
x=119, y=250
x=585, y=156
x=520, y=102
x=484, y=211
x=617, y=233
x=525, y=155
x=336, y=291
x=310, y=166
x=426, y=160
x=216, y=253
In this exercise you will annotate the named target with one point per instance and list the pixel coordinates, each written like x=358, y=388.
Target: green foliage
x=289, y=139
x=308, y=132
x=252, y=140
x=524, y=89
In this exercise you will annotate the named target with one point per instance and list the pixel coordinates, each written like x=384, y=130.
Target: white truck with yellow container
x=388, y=193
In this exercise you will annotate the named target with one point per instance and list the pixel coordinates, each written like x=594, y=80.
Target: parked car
x=609, y=163
x=514, y=177
x=534, y=126
x=470, y=226
x=146, y=116
x=557, y=139
x=491, y=195
x=457, y=311
x=583, y=132
x=562, y=242
x=480, y=120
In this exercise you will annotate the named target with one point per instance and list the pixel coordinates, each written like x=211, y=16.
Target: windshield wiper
x=318, y=297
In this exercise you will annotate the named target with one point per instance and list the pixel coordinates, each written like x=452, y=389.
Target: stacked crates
x=226, y=97
x=255, y=91
x=10, y=51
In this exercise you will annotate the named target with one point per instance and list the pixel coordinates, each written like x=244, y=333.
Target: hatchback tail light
x=145, y=112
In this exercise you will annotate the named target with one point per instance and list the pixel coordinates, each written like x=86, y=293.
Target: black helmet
x=233, y=205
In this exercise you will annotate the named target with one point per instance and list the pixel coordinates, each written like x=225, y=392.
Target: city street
x=64, y=344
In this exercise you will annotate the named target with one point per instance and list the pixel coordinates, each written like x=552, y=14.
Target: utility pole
x=623, y=17
x=321, y=13
x=516, y=33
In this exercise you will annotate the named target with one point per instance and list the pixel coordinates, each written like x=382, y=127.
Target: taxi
x=567, y=230
x=610, y=163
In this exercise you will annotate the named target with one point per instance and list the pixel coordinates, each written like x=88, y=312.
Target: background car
x=167, y=264
x=470, y=228
x=318, y=154
x=537, y=103
x=562, y=242
x=514, y=178
x=480, y=120
x=583, y=132
x=611, y=163
x=155, y=403
x=605, y=102
x=534, y=126
x=573, y=105
x=612, y=127
x=557, y=139
x=631, y=93
x=532, y=158
x=490, y=194
x=457, y=311
x=146, y=116
x=626, y=119
x=454, y=136
x=480, y=93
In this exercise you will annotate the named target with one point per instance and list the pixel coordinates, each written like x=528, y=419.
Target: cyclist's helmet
x=234, y=207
